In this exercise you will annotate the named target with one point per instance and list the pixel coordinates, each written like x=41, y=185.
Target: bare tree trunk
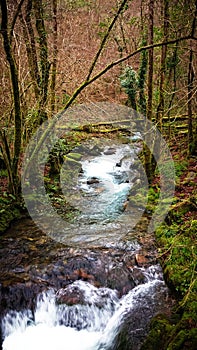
x=29, y=57
x=30, y=43
x=54, y=63
x=16, y=96
x=150, y=60
x=147, y=152
x=191, y=75
x=165, y=16
x=44, y=63
x=189, y=103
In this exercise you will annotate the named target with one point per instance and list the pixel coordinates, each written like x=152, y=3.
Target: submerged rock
x=110, y=151
x=92, y=180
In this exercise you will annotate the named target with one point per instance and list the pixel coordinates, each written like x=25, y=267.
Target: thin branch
x=88, y=82
x=194, y=21
x=105, y=38
x=14, y=19
x=147, y=47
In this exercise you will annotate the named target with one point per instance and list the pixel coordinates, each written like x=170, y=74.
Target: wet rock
x=71, y=295
x=19, y=296
x=35, y=263
x=121, y=177
x=138, y=276
x=84, y=294
x=94, y=151
x=141, y=260
x=110, y=151
x=92, y=180
x=118, y=164
x=134, y=327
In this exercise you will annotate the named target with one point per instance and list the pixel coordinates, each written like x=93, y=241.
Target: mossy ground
x=177, y=252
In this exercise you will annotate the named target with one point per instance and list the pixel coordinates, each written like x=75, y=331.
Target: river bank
x=24, y=273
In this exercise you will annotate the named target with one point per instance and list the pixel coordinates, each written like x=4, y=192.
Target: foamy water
x=91, y=326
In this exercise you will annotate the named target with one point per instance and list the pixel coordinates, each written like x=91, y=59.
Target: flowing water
x=100, y=193
x=93, y=323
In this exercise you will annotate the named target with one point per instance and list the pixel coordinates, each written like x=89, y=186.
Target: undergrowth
x=177, y=253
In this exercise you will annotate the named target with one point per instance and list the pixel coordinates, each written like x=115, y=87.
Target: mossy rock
x=71, y=162
x=184, y=340
x=160, y=330
x=7, y=215
x=74, y=156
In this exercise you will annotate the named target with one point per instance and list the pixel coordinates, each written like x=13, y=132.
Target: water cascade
x=100, y=192
x=83, y=316
x=92, y=324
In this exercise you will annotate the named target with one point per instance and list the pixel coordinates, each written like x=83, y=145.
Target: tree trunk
x=191, y=74
x=44, y=63
x=54, y=63
x=30, y=43
x=150, y=60
x=165, y=16
x=189, y=104
x=16, y=97
x=148, y=159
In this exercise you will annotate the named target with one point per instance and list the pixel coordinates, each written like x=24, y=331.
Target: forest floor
x=177, y=249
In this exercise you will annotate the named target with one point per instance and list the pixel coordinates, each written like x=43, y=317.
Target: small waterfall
x=82, y=316
x=91, y=324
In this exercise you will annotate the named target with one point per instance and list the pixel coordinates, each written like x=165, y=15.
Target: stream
x=92, y=325
x=100, y=193
x=103, y=288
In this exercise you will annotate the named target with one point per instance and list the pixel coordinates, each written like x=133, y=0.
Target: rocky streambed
x=101, y=287
x=32, y=263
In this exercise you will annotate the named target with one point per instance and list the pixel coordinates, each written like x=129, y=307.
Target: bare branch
x=105, y=38
x=194, y=21
x=88, y=82
x=14, y=19
x=143, y=48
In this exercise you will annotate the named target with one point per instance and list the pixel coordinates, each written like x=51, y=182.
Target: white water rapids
x=102, y=217
x=90, y=326
x=94, y=322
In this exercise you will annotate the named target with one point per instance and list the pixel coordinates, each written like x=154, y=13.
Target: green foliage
x=165, y=335
x=134, y=83
x=178, y=256
x=178, y=242
x=180, y=167
x=129, y=82
x=153, y=197
x=9, y=210
x=172, y=61
x=160, y=328
x=158, y=33
x=3, y=172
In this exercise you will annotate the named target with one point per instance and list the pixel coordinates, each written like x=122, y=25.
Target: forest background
x=139, y=53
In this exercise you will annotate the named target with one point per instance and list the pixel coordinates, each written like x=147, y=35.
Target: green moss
x=160, y=329
x=185, y=339
x=180, y=167
x=9, y=210
x=177, y=242
x=75, y=156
